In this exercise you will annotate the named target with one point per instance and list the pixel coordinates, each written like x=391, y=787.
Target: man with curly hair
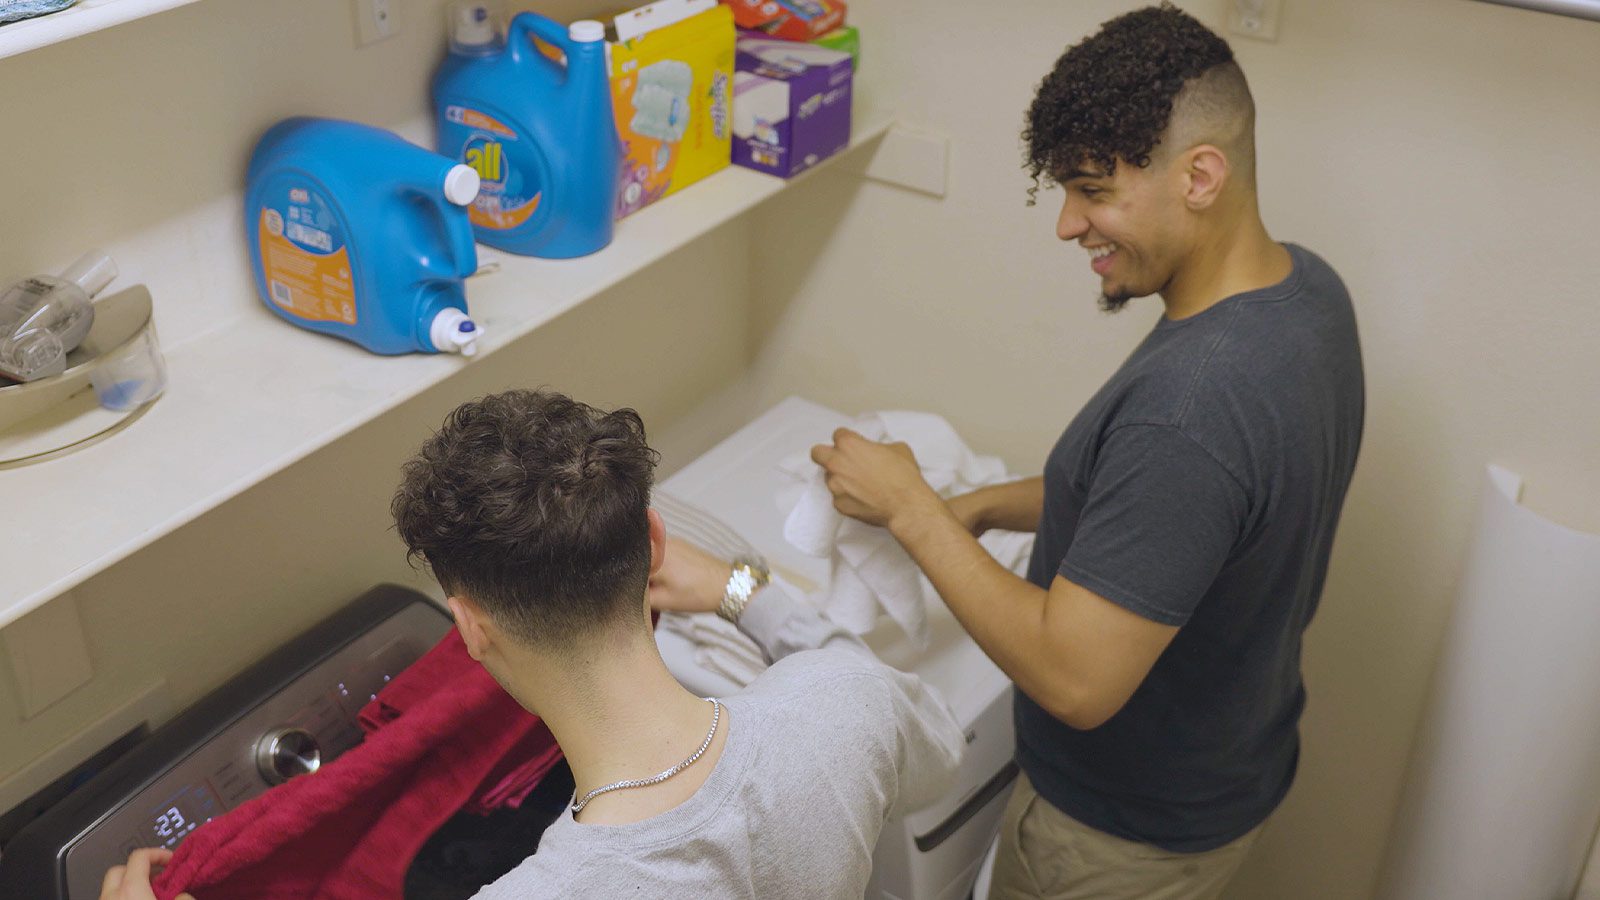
x=533, y=512
x=1185, y=517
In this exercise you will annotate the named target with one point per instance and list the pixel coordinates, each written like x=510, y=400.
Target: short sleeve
x=1159, y=521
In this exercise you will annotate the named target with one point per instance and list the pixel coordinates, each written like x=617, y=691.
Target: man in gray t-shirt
x=532, y=510
x=824, y=746
x=1186, y=515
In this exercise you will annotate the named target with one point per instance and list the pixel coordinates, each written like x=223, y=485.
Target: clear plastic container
x=131, y=375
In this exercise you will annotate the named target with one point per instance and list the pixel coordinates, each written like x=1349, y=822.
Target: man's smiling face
x=1127, y=220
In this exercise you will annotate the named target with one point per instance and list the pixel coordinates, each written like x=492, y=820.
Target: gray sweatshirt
x=822, y=749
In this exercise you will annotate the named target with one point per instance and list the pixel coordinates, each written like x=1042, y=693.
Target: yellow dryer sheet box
x=672, y=88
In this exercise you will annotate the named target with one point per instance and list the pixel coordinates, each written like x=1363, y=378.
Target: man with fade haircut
x=1185, y=517
x=533, y=512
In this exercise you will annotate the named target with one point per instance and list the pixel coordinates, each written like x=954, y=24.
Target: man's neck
x=1233, y=262
x=618, y=714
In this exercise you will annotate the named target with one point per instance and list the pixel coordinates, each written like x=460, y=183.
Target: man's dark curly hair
x=534, y=506
x=1110, y=96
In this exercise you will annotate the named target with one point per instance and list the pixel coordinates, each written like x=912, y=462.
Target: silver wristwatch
x=749, y=575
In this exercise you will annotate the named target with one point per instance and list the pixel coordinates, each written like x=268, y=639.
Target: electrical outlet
x=375, y=20
x=1255, y=18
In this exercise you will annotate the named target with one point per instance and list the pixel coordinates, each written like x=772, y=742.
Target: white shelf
x=83, y=18
x=253, y=397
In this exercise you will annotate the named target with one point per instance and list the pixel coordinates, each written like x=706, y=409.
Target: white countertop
x=82, y=18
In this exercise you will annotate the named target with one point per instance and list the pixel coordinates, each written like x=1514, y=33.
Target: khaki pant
x=1047, y=855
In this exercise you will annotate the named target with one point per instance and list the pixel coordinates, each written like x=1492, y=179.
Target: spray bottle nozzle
x=453, y=332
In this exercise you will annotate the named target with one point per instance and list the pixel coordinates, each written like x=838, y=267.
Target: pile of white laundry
x=870, y=575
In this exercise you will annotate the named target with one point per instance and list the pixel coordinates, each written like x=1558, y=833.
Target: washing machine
x=288, y=714
x=296, y=709
x=932, y=853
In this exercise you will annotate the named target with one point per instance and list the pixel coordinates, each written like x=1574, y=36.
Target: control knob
x=285, y=752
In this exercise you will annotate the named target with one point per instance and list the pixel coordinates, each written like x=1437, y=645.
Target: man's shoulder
x=837, y=687
x=809, y=670
x=552, y=872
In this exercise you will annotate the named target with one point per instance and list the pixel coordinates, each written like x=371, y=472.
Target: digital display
x=181, y=814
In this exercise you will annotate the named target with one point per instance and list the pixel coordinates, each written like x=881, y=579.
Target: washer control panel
x=284, y=717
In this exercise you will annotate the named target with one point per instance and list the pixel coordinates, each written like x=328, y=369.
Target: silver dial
x=283, y=753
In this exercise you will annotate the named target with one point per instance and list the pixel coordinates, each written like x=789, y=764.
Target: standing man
x=1186, y=514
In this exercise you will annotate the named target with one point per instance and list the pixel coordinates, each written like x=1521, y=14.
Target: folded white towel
x=870, y=574
x=719, y=647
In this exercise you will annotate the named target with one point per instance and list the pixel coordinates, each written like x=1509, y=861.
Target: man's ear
x=471, y=622
x=658, y=541
x=1206, y=173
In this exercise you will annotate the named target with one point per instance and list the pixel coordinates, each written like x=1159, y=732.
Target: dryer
x=928, y=854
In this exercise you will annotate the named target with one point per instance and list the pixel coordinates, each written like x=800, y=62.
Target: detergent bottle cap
x=461, y=184
x=472, y=27
x=453, y=331
x=586, y=31
x=91, y=271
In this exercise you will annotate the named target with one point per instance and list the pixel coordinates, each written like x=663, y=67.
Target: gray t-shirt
x=822, y=749
x=1201, y=487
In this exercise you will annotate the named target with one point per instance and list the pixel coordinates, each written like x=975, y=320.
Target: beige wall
x=127, y=138
x=1439, y=153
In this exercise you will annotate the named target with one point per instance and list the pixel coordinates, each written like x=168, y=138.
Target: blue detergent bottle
x=355, y=232
x=539, y=132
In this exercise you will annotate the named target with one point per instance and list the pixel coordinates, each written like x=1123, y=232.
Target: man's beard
x=1112, y=303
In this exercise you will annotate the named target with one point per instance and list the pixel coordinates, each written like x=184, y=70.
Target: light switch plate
x=911, y=157
x=49, y=658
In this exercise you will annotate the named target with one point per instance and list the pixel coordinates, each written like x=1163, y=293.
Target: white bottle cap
x=471, y=26
x=586, y=31
x=453, y=331
x=461, y=184
x=91, y=271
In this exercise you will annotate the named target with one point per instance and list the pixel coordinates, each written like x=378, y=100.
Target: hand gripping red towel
x=441, y=737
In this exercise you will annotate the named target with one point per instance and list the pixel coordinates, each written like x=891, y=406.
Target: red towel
x=441, y=737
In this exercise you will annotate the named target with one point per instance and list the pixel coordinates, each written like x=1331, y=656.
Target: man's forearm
x=1012, y=506
x=1003, y=613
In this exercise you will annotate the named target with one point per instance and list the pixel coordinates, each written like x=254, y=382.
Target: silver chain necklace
x=716, y=716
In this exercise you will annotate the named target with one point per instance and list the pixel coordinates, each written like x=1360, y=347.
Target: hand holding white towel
x=870, y=574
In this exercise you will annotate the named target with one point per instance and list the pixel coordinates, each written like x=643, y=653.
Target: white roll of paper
x=1502, y=797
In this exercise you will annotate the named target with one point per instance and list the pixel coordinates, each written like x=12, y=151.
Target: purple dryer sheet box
x=791, y=105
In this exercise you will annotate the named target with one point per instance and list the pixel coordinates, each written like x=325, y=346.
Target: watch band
x=748, y=576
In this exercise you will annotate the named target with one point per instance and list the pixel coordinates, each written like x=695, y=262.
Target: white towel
x=719, y=647
x=870, y=574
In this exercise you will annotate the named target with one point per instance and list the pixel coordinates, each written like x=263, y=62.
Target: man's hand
x=870, y=481
x=132, y=881
x=689, y=580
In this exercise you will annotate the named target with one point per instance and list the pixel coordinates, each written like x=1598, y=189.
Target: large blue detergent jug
x=539, y=132
x=358, y=233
